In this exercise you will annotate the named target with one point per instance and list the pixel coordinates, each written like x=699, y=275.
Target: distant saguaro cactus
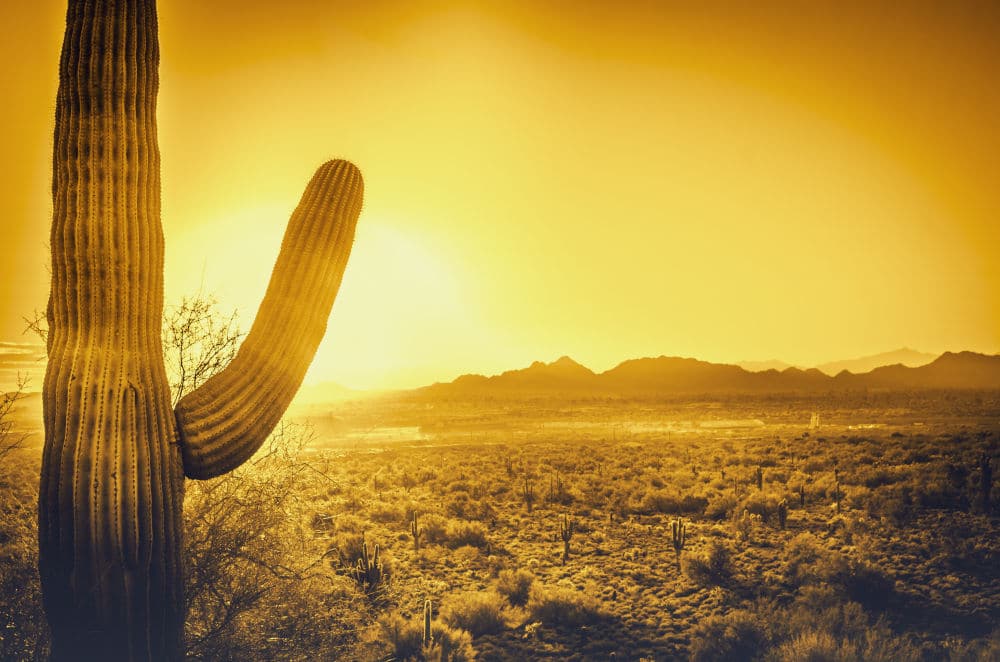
x=116, y=452
x=415, y=532
x=678, y=536
x=428, y=641
x=566, y=533
x=528, y=493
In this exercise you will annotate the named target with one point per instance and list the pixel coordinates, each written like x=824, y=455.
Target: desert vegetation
x=545, y=540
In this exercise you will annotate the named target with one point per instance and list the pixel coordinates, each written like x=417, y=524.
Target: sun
x=399, y=294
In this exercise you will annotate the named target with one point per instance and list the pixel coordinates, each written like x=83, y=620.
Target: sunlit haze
x=806, y=181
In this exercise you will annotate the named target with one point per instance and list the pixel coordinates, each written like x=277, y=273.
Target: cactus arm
x=224, y=421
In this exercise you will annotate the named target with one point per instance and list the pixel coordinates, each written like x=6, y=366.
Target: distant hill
x=905, y=356
x=761, y=366
x=672, y=375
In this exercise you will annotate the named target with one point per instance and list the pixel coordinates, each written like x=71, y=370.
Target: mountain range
x=668, y=374
x=905, y=356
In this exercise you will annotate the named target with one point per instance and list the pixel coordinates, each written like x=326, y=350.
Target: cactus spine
x=116, y=452
x=678, y=531
x=566, y=532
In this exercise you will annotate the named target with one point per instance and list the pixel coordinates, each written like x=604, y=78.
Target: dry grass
x=907, y=569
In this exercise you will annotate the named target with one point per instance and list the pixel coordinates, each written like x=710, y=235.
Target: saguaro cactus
x=415, y=532
x=566, y=533
x=678, y=536
x=110, y=529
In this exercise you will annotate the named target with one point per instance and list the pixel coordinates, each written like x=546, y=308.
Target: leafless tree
x=198, y=342
x=253, y=564
x=11, y=438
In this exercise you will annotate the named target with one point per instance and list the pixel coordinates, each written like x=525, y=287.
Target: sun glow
x=774, y=180
x=398, y=292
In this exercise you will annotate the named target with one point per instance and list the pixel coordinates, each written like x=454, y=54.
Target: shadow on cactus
x=116, y=448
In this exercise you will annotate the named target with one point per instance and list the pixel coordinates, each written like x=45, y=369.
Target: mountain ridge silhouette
x=672, y=374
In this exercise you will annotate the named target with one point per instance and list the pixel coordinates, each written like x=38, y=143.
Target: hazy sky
x=807, y=181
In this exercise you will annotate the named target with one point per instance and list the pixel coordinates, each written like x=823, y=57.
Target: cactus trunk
x=111, y=489
x=112, y=483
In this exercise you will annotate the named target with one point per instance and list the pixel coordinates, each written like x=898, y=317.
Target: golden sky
x=808, y=181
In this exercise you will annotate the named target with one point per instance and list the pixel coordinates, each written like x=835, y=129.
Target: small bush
x=720, y=507
x=714, y=567
x=459, y=533
x=668, y=502
x=480, y=612
x=760, y=504
x=385, y=513
x=737, y=636
x=515, y=585
x=405, y=639
x=815, y=646
x=433, y=529
x=556, y=605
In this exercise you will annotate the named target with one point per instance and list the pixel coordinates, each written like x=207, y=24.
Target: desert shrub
x=896, y=504
x=479, y=612
x=875, y=477
x=879, y=644
x=821, y=608
x=801, y=555
x=668, y=502
x=977, y=649
x=347, y=549
x=387, y=513
x=761, y=504
x=515, y=585
x=736, y=636
x=349, y=523
x=940, y=493
x=256, y=585
x=463, y=506
x=433, y=528
x=459, y=486
x=404, y=637
x=558, y=605
x=815, y=646
x=466, y=554
x=458, y=534
x=856, y=580
x=713, y=567
x=23, y=631
x=720, y=507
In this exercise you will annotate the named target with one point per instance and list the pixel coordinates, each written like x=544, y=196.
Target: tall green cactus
x=112, y=480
